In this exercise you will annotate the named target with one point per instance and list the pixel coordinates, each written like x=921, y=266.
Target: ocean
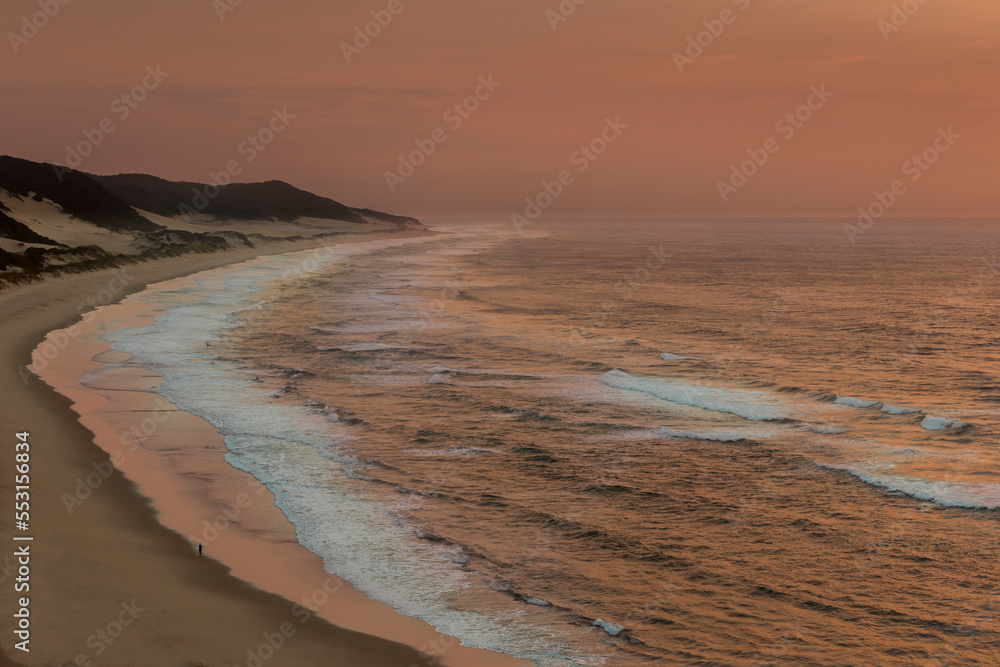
x=627, y=442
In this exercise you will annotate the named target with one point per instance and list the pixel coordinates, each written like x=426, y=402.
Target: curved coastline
x=204, y=610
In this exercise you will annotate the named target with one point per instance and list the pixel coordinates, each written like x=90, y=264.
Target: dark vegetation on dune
x=37, y=263
x=110, y=202
x=402, y=220
x=18, y=231
x=271, y=200
x=74, y=192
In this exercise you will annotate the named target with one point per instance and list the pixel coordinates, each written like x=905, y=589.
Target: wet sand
x=110, y=564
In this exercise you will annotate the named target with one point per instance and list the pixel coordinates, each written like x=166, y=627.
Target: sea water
x=627, y=441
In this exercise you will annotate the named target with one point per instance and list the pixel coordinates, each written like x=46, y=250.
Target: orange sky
x=608, y=59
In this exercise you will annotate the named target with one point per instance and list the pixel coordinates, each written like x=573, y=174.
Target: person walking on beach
x=199, y=550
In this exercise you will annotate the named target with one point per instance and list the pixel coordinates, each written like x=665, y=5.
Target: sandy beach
x=109, y=583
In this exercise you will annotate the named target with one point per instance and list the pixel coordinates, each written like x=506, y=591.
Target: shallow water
x=744, y=443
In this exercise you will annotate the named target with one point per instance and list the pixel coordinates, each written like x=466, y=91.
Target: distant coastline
x=56, y=221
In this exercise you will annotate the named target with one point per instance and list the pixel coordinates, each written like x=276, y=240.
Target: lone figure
x=199, y=550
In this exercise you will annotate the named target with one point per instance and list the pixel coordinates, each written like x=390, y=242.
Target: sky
x=601, y=108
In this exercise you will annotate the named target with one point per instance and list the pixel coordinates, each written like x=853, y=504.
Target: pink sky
x=557, y=88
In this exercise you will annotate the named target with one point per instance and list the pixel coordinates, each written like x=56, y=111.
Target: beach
x=111, y=585
x=556, y=334
x=443, y=431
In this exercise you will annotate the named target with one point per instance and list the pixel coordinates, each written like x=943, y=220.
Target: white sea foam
x=299, y=456
x=855, y=402
x=666, y=356
x=899, y=410
x=942, y=424
x=610, y=628
x=750, y=404
x=826, y=429
x=970, y=495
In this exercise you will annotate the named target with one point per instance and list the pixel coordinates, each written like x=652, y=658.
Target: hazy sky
x=892, y=92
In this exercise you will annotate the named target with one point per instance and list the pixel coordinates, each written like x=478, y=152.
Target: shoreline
x=113, y=548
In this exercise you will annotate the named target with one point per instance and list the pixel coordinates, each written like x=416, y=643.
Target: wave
x=717, y=436
x=942, y=424
x=300, y=456
x=899, y=410
x=666, y=356
x=855, y=402
x=881, y=405
x=826, y=429
x=611, y=628
x=970, y=495
x=746, y=403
